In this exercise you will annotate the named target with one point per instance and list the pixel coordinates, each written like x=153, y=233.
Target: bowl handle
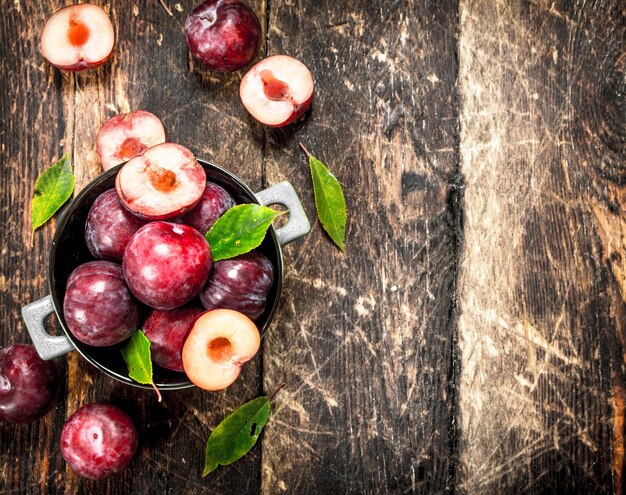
x=284, y=194
x=47, y=346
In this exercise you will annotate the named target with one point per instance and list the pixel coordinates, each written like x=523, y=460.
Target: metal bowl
x=70, y=250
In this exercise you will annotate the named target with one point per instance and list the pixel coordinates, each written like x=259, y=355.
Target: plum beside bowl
x=70, y=250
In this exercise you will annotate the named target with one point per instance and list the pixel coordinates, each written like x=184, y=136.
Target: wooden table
x=471, y=338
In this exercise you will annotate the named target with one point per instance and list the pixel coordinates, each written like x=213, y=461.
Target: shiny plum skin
x=98, y=307
x=214, y=202
x=166, y=264
x=223, y=34
x=241, y=283
x=109, y=227
x=98, y=441
x=166, y=330
x=29, y=386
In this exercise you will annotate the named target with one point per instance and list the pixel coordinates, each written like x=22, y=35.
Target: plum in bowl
x=69, y=250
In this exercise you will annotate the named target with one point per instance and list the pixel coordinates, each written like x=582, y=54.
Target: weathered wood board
x=368, y=355
x=541, y=284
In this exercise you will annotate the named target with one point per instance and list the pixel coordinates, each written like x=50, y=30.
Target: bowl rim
x=58, y=304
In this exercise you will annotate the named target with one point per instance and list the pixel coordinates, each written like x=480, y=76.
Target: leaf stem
x=305, y=150
x=160, y=399
x=276, y=390
x=169, y=12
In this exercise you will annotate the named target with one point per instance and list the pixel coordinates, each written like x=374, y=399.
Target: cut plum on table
x=218, y=345
x=277, y=90
x=223, y=34
x=164, y=182
x=128, y=135
x=166, y=264
x=78, y=37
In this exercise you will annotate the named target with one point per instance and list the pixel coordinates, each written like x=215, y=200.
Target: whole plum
x=167, y=264
x=241, y=283
x=98, y=307
x=29, y=385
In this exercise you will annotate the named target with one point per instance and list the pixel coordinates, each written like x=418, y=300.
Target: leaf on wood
x=139, y=361
x=53, y=188
x=239, y=230
x=329, y=200
x=237, y=434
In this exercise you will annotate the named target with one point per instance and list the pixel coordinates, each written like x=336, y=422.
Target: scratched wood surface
x=472, y=337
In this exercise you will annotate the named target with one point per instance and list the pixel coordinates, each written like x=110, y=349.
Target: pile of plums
x=152, y=258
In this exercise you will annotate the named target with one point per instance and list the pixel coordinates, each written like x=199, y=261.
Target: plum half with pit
x=223, y=34
x=126, y=136
x=167, y=264
x=98, y=307
x=214, y=203
x=218, y=345
x=164, y=182
x=277, y=91
x=241, y=283
x=78, y=37
x=166, y=330
x=98, y=440
x=109, y=227
x=29, y=385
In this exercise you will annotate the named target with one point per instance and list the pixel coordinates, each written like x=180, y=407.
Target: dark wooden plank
x=542, y=276
x=46, y=112
x=365, y=339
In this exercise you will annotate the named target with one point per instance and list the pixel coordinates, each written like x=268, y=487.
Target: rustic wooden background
x=472, y=337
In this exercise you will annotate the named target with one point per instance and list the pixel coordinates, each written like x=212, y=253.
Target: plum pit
x=274, y=89
x=220, y=349
x=162, y=180
x=130, y=148
x=78, y=32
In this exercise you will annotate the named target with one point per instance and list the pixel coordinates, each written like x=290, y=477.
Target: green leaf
x=53, y=187
x=237, y=434
x=329, y=201
x=239, y=230
x=138, y=359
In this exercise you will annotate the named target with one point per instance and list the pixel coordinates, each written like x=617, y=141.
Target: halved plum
x=164, y=182
x=78, y=37
x=277, y=90
x=128, y=135
x=220, y=342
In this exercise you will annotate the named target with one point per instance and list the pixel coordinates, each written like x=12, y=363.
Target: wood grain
x=367, y=355
x=541, y=334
